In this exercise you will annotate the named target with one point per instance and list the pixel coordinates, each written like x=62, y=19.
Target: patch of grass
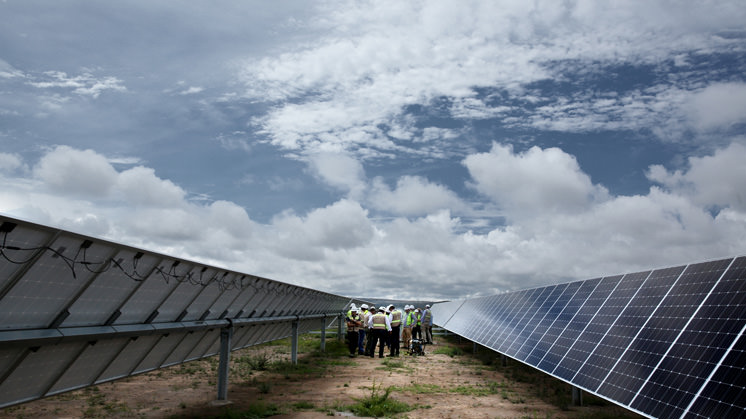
x=256, y=362
x=264, y=388
x=451, y=351
x=390, y=364
x=378, y=404
x=303, y=405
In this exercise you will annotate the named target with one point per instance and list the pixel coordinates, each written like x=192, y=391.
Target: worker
x=417, y=328
x=378, y=325
x=364, y=315
x=368, y=350
x=395, y=320
x=353, y=326
x=407, y=326
x=427, y=324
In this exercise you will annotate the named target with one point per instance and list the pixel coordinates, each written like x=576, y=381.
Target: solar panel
x=77, y=310
x=664, y=343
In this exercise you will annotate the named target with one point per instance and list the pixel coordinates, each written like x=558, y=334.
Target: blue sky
x=427, y=149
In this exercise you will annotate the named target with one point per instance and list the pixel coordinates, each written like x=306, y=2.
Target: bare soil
x=450, y=381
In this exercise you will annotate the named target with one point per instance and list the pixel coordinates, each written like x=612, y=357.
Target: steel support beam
x=226, y=334
x=294, y=344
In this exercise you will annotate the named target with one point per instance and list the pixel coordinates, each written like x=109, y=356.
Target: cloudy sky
x=407, y=149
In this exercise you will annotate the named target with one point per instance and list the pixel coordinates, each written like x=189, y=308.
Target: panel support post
x=224, y=365
x=577, y=396
x=503, y=360
x=294, y=344
x=474, y=347
x=339, y=328
x=323, y=334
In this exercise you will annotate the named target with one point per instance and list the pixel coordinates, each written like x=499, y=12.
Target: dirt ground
x=449, y=381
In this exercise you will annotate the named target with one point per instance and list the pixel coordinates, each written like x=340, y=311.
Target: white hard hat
x=354, y=309
x=364, y=306
x=427, y=306
x=352, y=306
x=391, y=306
x=382, y=308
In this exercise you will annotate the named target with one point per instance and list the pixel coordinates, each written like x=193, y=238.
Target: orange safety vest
x=395, y=318
x=379, y=321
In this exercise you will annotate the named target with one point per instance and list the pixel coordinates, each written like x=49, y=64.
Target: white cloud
x=10, y=163
x=85, y=84
x=342, y=225
x=342, y=248
x=718, y=106
x=81, y=173
x=718, y=180
x=140, y=186
x=338, y=170
x=413, y=195
x=374, y=62
x=534, y=181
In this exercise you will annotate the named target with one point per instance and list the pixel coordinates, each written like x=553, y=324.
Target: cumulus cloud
x=10, y=162
x=339, y=170
x=342, y=225
x=718, y=106
x=341, y=246
x=413, y=195
x=718, y=180
x=534, y=181
x=141, y=186
x=78, y=172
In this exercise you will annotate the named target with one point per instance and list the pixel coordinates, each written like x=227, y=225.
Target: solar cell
x=612, y=336
x=550, y=358
x=670, y=385
x=625, y=377
x=663, y=343
x=578, y=340
x=547, y=331
x=724, y=394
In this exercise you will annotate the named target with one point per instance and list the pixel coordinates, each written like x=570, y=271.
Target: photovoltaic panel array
x=77, y=311
x=664, y=343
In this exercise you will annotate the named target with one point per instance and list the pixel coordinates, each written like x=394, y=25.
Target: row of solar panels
x=663, y=343
x=77, y=311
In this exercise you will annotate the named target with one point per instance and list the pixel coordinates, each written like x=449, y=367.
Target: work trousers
x=352, y=341
x=428, y=334
x=394, y=336
x=361, y=341
x=417, y=332
x=406, y=336
x=377, y=336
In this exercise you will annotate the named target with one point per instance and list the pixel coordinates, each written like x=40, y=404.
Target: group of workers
x=368, y=327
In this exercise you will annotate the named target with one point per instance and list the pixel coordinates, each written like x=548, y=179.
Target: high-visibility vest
x=395, y=318
x=419, y=319
x=409, y=320
x=379, y=321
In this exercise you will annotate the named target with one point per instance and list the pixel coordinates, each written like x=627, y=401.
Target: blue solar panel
x=630, y=369
x=665, y=343
x=580, y=345
x=547, y=331
x=664, y=392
